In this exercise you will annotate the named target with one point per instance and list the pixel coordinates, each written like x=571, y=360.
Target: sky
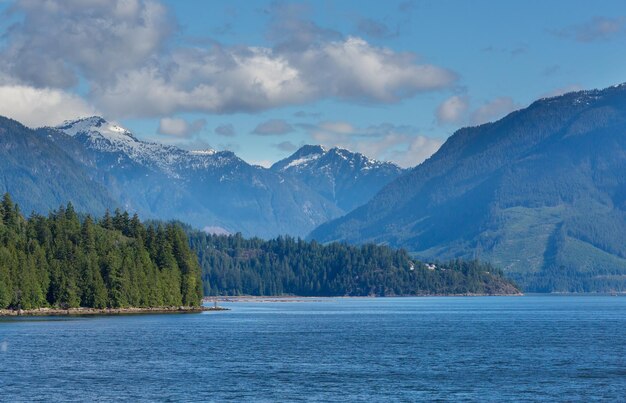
x=390, y=79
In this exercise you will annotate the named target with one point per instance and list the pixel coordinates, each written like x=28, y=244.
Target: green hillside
x=540, y=193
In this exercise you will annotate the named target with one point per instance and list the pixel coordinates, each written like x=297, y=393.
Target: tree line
x=233, y=265
x=64, y=260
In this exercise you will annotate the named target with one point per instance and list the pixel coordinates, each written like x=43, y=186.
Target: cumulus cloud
x=180, y=127
x=273, y=127
x=595, y=29
x=402, y=145
x=36, y=107
x=452, y=110
x=59, y=41
x=226, y=130
x=250, y=79
x=122, y=52
x=493, y=110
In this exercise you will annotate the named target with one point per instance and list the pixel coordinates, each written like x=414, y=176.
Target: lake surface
x=396, y=349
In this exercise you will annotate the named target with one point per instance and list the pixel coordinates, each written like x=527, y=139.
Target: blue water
x=406, y=349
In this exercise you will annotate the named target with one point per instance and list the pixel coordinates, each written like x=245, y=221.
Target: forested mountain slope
x=540, y=193
x=42, y=176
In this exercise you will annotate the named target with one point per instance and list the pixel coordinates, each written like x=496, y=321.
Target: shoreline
x=107, y=311
x=298, y=298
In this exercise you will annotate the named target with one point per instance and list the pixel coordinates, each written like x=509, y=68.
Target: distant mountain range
x=540, y=193
x=97, y=165
x=347, y=179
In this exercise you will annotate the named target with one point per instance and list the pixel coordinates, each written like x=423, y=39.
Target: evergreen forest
x=234, y=265
x=66, y=261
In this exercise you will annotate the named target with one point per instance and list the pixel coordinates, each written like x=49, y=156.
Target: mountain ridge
x=540, y=192
x=39, y=174
x=347, y=178
x=211, y=189
x=215, y=190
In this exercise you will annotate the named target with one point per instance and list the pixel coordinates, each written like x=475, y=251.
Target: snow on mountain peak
x=103, y=136
x=96, y=125
x=302, y=161
x=318, y=157
x=208, y=151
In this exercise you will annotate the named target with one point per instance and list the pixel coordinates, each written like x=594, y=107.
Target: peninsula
x=114, y=264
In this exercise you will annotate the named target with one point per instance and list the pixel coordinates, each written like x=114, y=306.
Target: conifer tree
x=63, y=261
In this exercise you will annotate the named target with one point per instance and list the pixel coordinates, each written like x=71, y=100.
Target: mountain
x=347, y=179
x=40, y=175
x=540, y=193
x=209, y=189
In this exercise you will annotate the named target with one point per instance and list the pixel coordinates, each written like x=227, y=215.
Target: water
x=406, y=349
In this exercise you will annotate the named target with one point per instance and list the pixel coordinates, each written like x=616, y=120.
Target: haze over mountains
x=348, y=179
x=540, y=193
x=209, y=189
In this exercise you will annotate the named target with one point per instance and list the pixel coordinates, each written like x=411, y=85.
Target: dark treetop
x=63, y=261
x=233, y=265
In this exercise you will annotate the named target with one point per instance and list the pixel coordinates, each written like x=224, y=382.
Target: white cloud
x=250, y=79
x=402, y=145
x=493, y=110
x=180, y=127
x=58, y=41
x=36, y=107
x=123, y=52
x=453, y=110
x=353, y=68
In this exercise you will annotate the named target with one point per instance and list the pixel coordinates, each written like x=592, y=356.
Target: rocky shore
x=106, y=311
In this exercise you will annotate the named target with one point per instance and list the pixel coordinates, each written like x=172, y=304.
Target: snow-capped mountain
x=346, y=178
x=40, y=176
x=205, y=188
x=99, y=135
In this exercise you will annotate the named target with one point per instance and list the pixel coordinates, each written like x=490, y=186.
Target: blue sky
x=390, y=79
